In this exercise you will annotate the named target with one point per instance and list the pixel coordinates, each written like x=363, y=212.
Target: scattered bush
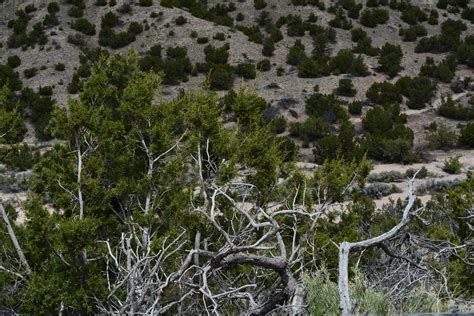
x=259, y=4
x=19, y=157
x=390, y=59
x=355, y=108
x=372, y=17
x=30, y=72
x=454, y=110
x=13, y=61
x=246, y=71
x=84, y=26
x=441, y=137
x=135, y=28
x=145, y=3
x=418, y=90
x=296, y=54
x=264, y=65
x=346, y=62
x=467, y=135
x=346, y=88
x=385, y=177
x=12, y=126
x=379, y=190
x=202, y=40
x=181, y=20
x=452, y=165
x=221, y=78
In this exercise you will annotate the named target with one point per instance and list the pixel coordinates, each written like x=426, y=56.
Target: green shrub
x=13, y=61
x=181, y=20
x=45, y=91
x=53, y=8
x=390, y=59
x=268, y=47
x=84, y=26
x=101, y=3
x=372, y=17
x=418, y=90
x=313, y=68
x=355, y=108
x=467, y=135
x=30, y=72
x=219, y=36
x=202, y=40
x=126, y=8
x=12, y=127
x=10, y=78
x=346, y=88
x=264, y=65
x=358, y=34
x=296, y=54
x=145, y=3
x=259, y=4
x=441, y=137
x=385, y=177
x=384, y=93
x=221, y=78
x=278, y=125
x=215, y=55
x=75, y=12
x=135, y=28
x=454, y=110
x=20, y=157
x=452, y=165
x=346, y=62
x=246, y=70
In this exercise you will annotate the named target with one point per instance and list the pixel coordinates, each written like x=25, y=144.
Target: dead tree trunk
x=345, y=304
x=14, y=240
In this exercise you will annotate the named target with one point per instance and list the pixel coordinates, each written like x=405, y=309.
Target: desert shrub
x=454, y=110
x=346, y=88
x=441, y=137
x=30, y=72
x=422, y=173
x=127, y=8
x=268, y=47
x=390, y=59
x=412, y=33
x=219, y=36
x=84, y=26
x=109, y=20
x=385, y=177
x=433, y=18
x=45, y=91
x=326, y=107
x=145, y=3
x=101, y=3
x=340, y=21
x=468, y=14
x=467, y=135
x=221, y=78
x=465, y=54
x=280, y=71
x=253, y=33
x=202, y=40
x=135, y=28
x=432, y=186
x=452, y=165
x=19, y=157
x=75, y=12
x=384, y=93
x=264, y=65
x=355, y=108
x=278, y=125
x=53, y=7
x=313, y=68
x=418, y=90
x=444, y=71
x=246, y=70
x=296, y=54
x=215, y=55
x=358, y=34
x=364, y=46
x=448, y=40
x=310, y=130
x=181, y=20
x=76, y=39
x=413, y=14
x=379, y=190
x=239, y=17
x=12, y=126
x=372, y=17
x=259, y=4
x=346, y=62
x=13, y=61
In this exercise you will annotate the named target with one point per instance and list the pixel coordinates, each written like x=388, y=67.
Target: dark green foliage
x=39, y=105
x=13, y=61
x=313, y=68
x=259, y=4
x=444, y=71
x=30, y=72
x=346, y=88
x=346, y=62
x=467, y=135
x=358, y=34
x=454, y=110
x=465, y=54
x=135, y=28
x=447, y=41
x=246, y=71
x=253, y=33
x=390, y=59
x=372, y=17
x=216, y=55
x=278, y=125
x=441, y=137
x=268, y=47
x=452, y=165
x=412, y=33
x=468, y=14
x=19, y=157
x=75, y=12
x=181, y=20
x=84, y=26
x=21, y=37
x=384, y=93
x=413, y=14
x=53, y=7
x=355, y=108
x=109, y=20
x=340, y=21
x=264, y=65
x=296, y=54
x=418, y=90
x=219, y=36
x=145, y=3
x=101, y=3
x=202, y=40
x=221, y=77
x=388, y=140
x=326, y=107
